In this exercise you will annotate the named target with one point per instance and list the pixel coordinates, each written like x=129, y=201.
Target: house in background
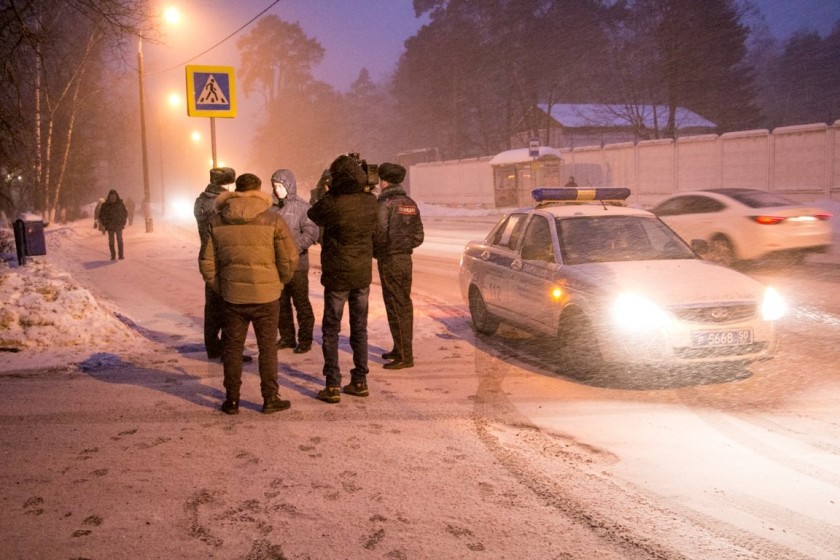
x=569, y=125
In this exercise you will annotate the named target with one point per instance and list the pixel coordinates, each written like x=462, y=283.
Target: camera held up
x=371, y=171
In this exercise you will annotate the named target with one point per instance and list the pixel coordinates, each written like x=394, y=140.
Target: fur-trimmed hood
x=239, y=207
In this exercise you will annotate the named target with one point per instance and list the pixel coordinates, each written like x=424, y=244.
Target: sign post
x=211, y=93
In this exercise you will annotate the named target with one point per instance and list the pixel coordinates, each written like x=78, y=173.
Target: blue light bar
x=571, y=194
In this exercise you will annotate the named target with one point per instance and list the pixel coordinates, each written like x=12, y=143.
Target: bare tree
x=53, y=53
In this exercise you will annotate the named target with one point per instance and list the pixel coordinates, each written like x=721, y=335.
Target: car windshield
x=591, y=239
x=761, y=199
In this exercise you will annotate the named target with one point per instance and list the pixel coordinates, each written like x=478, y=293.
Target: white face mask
x=280, y=191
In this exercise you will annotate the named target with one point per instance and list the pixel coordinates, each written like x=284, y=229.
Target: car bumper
x=674, y=345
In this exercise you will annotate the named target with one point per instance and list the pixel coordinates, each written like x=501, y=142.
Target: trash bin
x=29, y=239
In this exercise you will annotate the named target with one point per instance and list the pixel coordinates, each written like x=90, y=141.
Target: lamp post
x=147, y=199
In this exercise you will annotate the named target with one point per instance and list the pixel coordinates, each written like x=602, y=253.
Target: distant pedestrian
x=296, y=291
x=571, y=183
x=96, y=211
x=399, y=230
x=348, y=216
x=204, y=209
x=248, y=257
x=129, y=206
x=112, y=217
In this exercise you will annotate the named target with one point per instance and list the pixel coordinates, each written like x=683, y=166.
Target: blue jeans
x=235, y=329
x=331, y=326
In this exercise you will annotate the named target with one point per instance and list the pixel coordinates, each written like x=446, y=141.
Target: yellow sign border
x=192, y=111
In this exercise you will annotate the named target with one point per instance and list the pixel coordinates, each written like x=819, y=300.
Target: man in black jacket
x=347, y=215
x=112, y=217
x=204, y=209
x=399, y=230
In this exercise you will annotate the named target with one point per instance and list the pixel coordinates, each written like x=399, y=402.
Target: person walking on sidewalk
x=129, y=206
x=296, y=291
x=347, y=215
x=399, y=230
x=248, y=257
x=112, y=217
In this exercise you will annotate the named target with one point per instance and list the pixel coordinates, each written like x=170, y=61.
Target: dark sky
x=355, y=34
x=370, y=34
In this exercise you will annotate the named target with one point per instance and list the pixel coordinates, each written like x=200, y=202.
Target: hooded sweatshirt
x=293, y=209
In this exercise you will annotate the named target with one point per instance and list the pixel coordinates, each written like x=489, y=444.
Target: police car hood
x=669, y=282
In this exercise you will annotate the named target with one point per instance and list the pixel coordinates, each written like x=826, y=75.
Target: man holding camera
x=399, y=231
x=347, y=213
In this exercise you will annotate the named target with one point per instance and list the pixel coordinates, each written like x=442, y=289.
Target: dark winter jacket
x=399, y=229
x=113, y=214
x=205, y=208
x=348, y=215
x=250, y=253
x=293, y=209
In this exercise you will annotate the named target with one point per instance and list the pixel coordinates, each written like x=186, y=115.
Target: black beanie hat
x=392, y=172
x=248, y=182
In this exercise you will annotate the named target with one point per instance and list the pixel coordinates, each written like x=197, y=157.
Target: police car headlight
x=635, y=311
x=773, y=305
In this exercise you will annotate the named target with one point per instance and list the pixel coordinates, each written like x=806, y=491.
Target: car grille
x=717, y=351
x=717, y=314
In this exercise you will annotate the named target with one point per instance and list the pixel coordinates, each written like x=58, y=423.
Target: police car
x=613, y=284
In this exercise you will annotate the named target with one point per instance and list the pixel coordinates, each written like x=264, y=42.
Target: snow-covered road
x=483, y=449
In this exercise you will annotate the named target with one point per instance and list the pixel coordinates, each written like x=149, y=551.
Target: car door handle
x=485, y=255
x=516, y=265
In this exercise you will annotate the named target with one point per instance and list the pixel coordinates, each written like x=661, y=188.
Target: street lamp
x=147, y=199
x=174, y=100
x=171, y=15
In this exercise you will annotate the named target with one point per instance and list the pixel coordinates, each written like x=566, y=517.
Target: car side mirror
x=700, y=246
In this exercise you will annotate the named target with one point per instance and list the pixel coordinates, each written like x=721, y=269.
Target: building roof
x=520, y=155
x=588, y=115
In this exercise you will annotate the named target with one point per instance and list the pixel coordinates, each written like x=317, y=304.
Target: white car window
x=509, y=232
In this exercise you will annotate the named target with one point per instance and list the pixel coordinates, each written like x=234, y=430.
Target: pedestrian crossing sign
x=210, y=91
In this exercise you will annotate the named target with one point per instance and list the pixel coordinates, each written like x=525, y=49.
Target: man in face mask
x=295, y=292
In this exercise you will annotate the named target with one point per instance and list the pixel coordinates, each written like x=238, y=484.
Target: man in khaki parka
x=250, y=255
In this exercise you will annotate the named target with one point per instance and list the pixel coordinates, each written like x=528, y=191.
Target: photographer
x=347, y=213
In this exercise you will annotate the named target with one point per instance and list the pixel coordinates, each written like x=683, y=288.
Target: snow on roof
x=521, y=155
x=592, y=114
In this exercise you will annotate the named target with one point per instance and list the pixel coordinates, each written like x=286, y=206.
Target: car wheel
x=483, y=321
x=579, y=351
x=721, y=251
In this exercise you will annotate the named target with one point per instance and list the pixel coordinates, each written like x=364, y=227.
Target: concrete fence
x=801, y=162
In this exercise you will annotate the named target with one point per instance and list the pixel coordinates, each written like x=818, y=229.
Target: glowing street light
x=171, y=15
x=147, y=197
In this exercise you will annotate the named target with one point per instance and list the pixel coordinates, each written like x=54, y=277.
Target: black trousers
x=395, y=274
x=118, y=234
x=237, y=318
x=296, y=292
x=214, y=307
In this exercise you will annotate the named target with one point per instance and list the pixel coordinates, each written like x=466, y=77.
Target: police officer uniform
x=398, y=232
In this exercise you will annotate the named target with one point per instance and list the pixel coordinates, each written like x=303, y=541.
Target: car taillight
x=768, y=220
x=823, y=216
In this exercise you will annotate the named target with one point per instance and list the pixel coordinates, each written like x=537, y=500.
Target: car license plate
x=722, y=338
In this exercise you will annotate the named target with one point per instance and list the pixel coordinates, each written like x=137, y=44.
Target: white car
x=614, y=284
x=747, y=224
